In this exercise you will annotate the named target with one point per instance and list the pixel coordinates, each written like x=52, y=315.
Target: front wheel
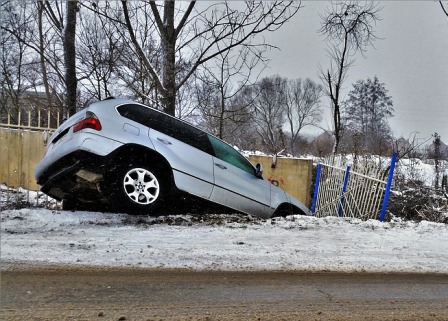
x=139, y=189
x=286, y=209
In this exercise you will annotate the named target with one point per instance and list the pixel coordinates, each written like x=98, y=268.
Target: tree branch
x=443, y=8
x=140, y=52
x=184, y=18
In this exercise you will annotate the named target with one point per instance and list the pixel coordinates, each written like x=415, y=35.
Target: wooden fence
x=22, y=145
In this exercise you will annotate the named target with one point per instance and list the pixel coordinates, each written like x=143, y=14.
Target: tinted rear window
x=142, y=115
x=167, y=125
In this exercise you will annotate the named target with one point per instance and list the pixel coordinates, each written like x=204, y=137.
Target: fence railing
x=360, y=190
x=19, y=198
x=35, y=120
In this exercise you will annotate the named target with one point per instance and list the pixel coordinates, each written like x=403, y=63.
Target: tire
x=137, y=188
x=69, y=205
x=285, y=209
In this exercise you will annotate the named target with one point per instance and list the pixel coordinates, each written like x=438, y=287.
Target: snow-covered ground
x=221, y=242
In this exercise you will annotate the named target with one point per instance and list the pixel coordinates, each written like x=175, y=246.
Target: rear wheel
x=138, y=188
x=70, y=205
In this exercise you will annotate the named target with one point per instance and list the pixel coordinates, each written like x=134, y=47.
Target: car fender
x=279, y=197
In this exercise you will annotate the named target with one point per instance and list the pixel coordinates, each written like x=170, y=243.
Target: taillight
x=91, y=121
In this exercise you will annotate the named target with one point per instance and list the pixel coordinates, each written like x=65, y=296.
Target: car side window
x=190, y=135
x=142, y=115
x=227, y=154
x=167, y=125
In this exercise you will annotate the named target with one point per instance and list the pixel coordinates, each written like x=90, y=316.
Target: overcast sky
x=411, y=60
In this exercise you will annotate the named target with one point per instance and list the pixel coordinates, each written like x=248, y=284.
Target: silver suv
x=127, y=157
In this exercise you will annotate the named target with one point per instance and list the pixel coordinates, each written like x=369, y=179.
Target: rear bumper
x=75, y=166
x=57, y=154
x=77, y=174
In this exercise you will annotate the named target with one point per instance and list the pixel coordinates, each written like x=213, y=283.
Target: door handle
x=163, y=140
x=220, y=166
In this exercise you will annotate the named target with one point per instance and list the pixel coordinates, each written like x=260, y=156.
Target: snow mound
x=221, y=242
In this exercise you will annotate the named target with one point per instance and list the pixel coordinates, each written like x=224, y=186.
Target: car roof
x=115, y=102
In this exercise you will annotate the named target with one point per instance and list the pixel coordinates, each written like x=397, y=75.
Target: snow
x=415, y=169
x=20, y=196
x=221, y=242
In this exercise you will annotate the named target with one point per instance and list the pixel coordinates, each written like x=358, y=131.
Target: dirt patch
x=53, y=293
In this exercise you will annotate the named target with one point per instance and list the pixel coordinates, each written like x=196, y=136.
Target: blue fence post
x=316, y=188
x=388, y=186
x=344, y=189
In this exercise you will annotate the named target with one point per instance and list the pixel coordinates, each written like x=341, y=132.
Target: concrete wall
x=291, y=174
x=21, y=150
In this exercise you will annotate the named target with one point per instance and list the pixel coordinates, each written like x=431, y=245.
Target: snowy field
x=221, y=242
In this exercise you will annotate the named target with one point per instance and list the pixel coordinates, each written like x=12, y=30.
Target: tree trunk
x=337, y=127
x=169, y=59
x=221, y=114
x=70, y=56
x=43, y=67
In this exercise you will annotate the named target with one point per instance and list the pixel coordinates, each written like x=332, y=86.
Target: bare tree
x=43, y=66
x=444, y=8
x=243, y=127
x=348, y=27
x=71, y=79
x=198, y=33
x=321, y=145
x=218, y=87
x=269, y=115
x=157, y=45
x=302, y=107
x=131, y=67
x=136, y=79
x=48, y=47
x=49, y=38
x=99, y=52
x=15, y=58
x=437, y=157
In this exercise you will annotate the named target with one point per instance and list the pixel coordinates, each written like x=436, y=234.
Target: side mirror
x=259, y=170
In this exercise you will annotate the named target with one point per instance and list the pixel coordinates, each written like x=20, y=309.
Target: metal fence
x=360, y=190
x=14, y=198
x=33, y=120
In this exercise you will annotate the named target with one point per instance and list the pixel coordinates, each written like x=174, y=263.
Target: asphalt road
x=52, y=293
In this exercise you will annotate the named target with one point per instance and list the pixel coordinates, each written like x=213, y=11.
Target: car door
x=187, y=150
x=236, y=184
x=185, y=147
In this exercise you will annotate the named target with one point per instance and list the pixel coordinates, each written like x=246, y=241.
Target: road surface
x=54, y=293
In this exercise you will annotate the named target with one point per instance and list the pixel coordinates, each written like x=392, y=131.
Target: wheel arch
x=285, y=209
x=127, y=158
x=137, y=152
